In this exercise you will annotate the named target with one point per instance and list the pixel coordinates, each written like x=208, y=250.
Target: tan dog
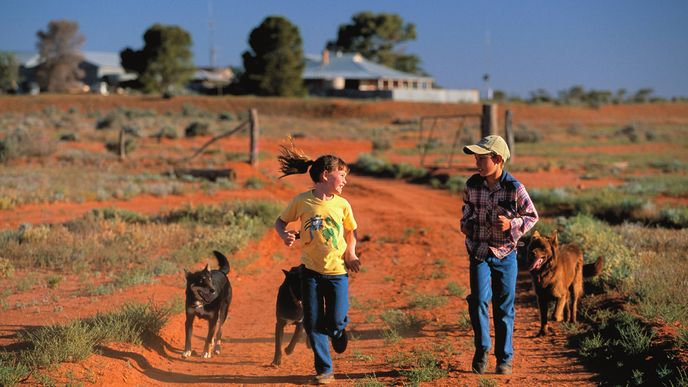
x=557, y=275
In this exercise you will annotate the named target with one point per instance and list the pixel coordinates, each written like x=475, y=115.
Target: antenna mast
x=211, y=30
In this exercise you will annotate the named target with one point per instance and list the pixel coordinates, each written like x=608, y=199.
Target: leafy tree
x=164, y=61
x=642, y=95
x=376, y=37
x=275, y=64
x=9, y=71
x=60, y=54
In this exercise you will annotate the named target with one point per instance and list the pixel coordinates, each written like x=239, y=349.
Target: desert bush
x=427, y=301
x=26, y=142
x=107, y=122
x=629, y=131
x=524, y=134
x=597, y=239
x=197, y=129
x=254, y=183
x=12, y=371
x=421, y=366
x=168, y=132
x=659, y=278
x=6, y=268
x=113, y=146
x=381, y=141
x=55, y=344
x=112, y=213
x=625, y=343
x=133, y=323
x=402, y=323
x=455, y=290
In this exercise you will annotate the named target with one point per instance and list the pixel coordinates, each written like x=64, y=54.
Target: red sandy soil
x=539, y=115
x=410, y=228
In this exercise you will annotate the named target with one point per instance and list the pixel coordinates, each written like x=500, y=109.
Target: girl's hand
x=504, y=223
x=352, y=262
x=289, y=237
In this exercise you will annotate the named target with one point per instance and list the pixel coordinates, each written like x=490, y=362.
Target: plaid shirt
x=481, y=209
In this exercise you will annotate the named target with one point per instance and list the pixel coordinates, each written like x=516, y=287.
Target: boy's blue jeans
x=325, y=307
x=493, y=280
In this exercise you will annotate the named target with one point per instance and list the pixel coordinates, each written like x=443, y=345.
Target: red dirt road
x=414, y=248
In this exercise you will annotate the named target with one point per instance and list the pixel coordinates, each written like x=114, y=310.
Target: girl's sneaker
x=325, y=378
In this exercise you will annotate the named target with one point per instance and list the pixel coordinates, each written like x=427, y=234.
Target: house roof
x=98, y=58
x=351, y=66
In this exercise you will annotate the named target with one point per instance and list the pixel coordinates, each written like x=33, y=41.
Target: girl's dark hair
x=294, y=161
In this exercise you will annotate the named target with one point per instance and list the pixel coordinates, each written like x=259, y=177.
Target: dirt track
x=413, y=233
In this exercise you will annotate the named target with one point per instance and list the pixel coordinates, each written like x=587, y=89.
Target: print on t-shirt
x=317, y=223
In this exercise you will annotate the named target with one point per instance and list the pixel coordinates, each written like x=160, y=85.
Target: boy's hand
x=352, y=262
x=504, y=223
x=289, y=237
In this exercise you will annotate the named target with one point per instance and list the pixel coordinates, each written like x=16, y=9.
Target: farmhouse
x=338, y=74
x=101, y=70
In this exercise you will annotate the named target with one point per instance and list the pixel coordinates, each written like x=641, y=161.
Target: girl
x=328, y=236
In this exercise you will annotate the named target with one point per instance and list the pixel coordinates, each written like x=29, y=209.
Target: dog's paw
x=186, y=354
x=216, y=350
x=541, y=333
x=276, y=363
x=207, y=355
x=289, y=350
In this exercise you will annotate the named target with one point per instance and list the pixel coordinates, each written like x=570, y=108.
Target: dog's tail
x=222, y=261
x=593, y=269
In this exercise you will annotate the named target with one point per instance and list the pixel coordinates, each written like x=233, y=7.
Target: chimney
x=325, y=57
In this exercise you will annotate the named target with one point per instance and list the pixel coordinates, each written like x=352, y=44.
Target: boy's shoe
x=480, y=360
x=339, y=343
x=324, y=378
x=505, y=368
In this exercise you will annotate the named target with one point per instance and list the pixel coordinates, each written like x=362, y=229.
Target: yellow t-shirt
x=323, y=223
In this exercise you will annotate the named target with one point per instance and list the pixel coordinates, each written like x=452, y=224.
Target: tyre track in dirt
x=409, y=230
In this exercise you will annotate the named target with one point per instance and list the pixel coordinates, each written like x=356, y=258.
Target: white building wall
x=436, y=95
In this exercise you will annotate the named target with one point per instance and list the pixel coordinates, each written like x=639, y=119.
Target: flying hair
x=293, y=160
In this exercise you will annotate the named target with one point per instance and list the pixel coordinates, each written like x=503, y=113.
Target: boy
x=497, y=211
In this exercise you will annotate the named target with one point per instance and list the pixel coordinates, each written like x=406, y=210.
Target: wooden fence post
x=255, y=129
x=122, y=145
x=509, y=132
x=488, y=121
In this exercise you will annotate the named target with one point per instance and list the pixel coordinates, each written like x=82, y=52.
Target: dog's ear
x=555, y=238
x=206, y=268
x=187, y=273
x=536, y=234
x=286, y=273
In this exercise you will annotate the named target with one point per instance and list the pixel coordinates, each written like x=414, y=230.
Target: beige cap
x=490, y=144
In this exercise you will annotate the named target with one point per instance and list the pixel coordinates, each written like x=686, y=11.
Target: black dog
x=289, y=310
x=208, y=295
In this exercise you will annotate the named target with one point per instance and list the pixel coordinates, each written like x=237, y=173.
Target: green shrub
x=427, y=301
x=401, y=322
x=6, y=268
x=424, y=367
x=55, y=344
x=11, y=370
x=197, y=129
x=597, y=239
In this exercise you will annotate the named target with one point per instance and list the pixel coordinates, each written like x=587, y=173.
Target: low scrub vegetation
x=77, y=340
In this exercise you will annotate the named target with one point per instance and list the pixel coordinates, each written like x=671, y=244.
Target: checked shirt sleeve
x=528, y=215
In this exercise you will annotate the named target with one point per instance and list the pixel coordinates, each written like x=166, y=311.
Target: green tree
x=9, y=71
x=164, y=62
x=60, y=54
x=274, y=66
x=643, y=95
x=377, y=36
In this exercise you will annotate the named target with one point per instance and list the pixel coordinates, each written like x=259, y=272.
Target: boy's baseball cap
x=490, y=144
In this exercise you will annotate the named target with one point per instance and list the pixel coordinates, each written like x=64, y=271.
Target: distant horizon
x=524, y=46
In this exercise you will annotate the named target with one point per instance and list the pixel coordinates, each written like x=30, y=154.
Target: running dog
x=208, y=296
x=289, y=310
x=557, y=276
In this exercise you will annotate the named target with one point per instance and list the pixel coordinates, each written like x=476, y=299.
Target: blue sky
x=525, y=45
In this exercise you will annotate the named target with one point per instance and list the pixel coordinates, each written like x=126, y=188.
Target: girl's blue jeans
x=325, y=307
x=493, y=280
